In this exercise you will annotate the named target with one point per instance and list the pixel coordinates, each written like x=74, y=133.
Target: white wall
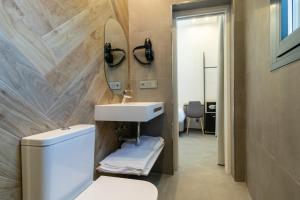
x=195, y=36
x=211, y=84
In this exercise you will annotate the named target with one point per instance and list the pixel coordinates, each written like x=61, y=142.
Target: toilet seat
x=111, y=188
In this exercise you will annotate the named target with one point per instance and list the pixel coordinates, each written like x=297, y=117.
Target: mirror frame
x=125, y=86
x=286, y=51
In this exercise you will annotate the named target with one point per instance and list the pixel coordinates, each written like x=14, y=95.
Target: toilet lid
x=111, y=188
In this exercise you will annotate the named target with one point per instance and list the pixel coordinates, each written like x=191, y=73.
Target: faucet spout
x=126, y=96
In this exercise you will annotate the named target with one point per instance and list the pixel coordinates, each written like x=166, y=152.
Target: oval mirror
x=116, y=57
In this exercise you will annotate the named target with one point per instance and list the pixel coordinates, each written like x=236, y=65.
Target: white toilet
x=59, y=165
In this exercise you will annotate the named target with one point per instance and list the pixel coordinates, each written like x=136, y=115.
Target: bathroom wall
x=51, y=73
x=271, y=110
x=238, y=92
x=152, y=19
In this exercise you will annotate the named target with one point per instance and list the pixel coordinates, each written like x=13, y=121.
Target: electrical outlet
x=151, y=84
x=115, y=85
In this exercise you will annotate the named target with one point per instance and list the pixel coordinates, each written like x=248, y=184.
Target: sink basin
x=129, y=112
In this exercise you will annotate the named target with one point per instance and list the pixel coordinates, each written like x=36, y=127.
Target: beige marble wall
x=51, y=73
x=152, y=19
x=271, y=110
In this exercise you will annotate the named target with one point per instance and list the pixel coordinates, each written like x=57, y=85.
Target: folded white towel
x=128, y=158
x=147, y=142
x=144, y=172
x=131, y=158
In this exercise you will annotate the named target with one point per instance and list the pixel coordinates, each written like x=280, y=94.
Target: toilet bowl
x=110, y=188
x=59, y=165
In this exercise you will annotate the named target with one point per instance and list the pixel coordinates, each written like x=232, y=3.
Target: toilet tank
x=59, y=164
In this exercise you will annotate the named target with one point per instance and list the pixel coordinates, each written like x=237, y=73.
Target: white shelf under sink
x=147, y=169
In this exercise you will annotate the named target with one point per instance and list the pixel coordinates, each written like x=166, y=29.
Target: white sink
x=129, y=112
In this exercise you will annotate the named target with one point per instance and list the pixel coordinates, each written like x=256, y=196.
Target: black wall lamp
x=109, y=57
x=149, y=54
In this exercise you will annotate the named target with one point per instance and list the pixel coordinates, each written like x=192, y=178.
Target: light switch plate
x=115, y=85
x=149, y=84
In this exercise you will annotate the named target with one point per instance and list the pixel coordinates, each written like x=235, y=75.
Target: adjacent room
x=198, y=58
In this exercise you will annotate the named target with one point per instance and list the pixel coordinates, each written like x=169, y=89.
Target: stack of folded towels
x=133, y=159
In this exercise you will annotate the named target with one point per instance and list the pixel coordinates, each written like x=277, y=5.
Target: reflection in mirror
x=116, y=59
x=290, y=17
x=110, y=58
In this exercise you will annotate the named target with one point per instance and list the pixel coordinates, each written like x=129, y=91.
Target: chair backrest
x=195, y=109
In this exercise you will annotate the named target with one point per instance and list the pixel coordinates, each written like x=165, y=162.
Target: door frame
x=228, y=80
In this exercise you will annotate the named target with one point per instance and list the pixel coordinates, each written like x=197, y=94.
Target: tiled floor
x=199, y=177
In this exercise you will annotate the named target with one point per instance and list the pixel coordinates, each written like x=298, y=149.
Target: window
x=285, y=32
x=290, y=17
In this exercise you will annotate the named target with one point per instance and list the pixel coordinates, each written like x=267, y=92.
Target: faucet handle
x=126, y=96
x=128, y=91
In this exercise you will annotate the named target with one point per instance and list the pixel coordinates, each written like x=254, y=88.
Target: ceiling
x=195, y=4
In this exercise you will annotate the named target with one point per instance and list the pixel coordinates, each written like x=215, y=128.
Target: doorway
x=202, y=73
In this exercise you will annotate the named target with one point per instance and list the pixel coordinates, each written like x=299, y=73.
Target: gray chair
x=194, y=110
